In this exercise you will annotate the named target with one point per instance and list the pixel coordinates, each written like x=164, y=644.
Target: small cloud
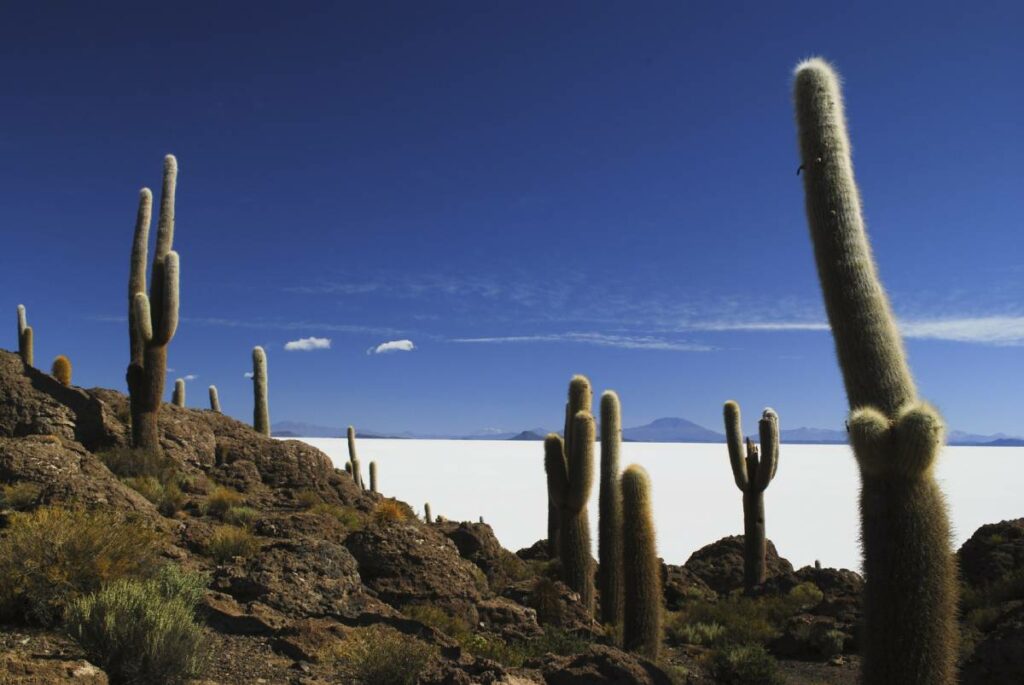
x=307, y=344
x=191, y=377
x=392, y=346
x=247, y=374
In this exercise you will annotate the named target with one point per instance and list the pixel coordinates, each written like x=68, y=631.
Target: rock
x=720, y=564
x=476, y=543
x=225, y=615
x=538, y=551
x=555, y=605
x=466, y=670
x=993, y=552
x=33, y=669
x=679, y=585
x=509, y=619
x=997, y=657
x=601, y=665
x=407, y=563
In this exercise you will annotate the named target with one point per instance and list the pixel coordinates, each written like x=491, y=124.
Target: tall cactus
x=373, y=476
x=152, y=319
x=752, y=470
x=570, y=475
x=261, y=407
x=579, y=399
x=214, y=399
x=25, y=337
x=178, y=396
x=353, y=458
x=641, y=627
x=609, y=521
x=910, y=594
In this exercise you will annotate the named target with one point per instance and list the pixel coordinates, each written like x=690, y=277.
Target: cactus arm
x=168, y=318
x=22, y=319
x=581, y=461
x=137, y=270
x=143, y=319
x=769, y=432
x=556, y=469
x=734, y=441
x=165, y=225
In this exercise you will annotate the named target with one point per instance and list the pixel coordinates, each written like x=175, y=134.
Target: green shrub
x=1004, y=589
x=228, y=542
x=380, y=655
x=168, y=498
x=19, y=496
x=51, y=556
x=220, y=500
x=348, y=517
x=745, y=665
x=515, y=653
x=143, y=631
x=704, y=634
x=241, y=516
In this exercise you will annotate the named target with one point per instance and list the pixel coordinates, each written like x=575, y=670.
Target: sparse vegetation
x=168, y=498
x=380, y=655
x=391, y=511
x=220, y=501
x=745, y=665
x=19, y=496
x=241, y=516
x=348, y=517
x=228, y=542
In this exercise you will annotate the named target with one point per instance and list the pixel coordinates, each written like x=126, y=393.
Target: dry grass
x=228, y=542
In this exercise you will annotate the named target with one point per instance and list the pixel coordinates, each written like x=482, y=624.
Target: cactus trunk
x=178, y=397
x=609, y=522
x=754, y=545
x=910, y=631
x=261, y=407
x=353, y=458
x=214, y=399
x=25, y=338
x=373, y=476
x=641, y=629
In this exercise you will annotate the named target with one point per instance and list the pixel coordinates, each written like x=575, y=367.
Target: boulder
x=720, y=564
x=601, y=665
x=993, y=552
x=679, y=585
x=997, y=659
x=476, y=543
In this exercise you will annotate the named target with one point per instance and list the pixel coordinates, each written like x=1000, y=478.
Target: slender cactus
x=261, y=407
x=753, y=470
x=373, y=476
x=641, y=627
x=25, y=336
x=214, y=399
x=910, y=632
x=61, y=369
x=609, y=522
x=152, y=319
x=579, y=399
x=353, y=458
x=426, y=513
x=178, y=396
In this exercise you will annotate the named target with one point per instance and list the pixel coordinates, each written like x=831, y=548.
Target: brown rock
x=993, y=552
x=601, y=665
x=997, y=659
x=720, y=564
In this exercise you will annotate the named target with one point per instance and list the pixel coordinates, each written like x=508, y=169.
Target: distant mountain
x=671, y=430
x=528, y=435
x=1006, y=442
x=812, y=436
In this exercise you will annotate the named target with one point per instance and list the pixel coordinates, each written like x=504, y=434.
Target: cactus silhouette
x=261, y=406
x=753, y=470
x=373, y=476
x=579, y=399
x=25, y=336
x=641, y=626
x=426, y=513
x=61, y=370
x=570, y=475
x=910, y=594
x=353, y=458
x=152, y=319
x=609, y=521
x=214, y=399
x=178, y=396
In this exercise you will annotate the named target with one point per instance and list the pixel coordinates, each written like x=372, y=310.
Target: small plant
x=745, y=665
x=169, y=499
x=307, y=499
x=220, y=500
x=391, y=511
x=347, y=516
x=51, y=556
x=61, y=370
x=143, y=631
x=228, y=542
x=380, y=655
x=19, y=496
x=241, y=516
x=703, y=634
x=435, y=617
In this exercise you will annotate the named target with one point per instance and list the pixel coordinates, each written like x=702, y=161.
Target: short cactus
x=609, y=521
x=261, y=407
x=61, y=370
x=373, y=476
x=353, y=458
x=25, y=337
x=910, y=633
x=641, y=625
x=569, y=478
x=752, y=470
x=426, y=513
x=178, y=396
x=152, y=319
x=214, y=399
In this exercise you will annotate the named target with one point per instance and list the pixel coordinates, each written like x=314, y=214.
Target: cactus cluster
x=261, y=408
x=24, y=337
x=153, y=318
x=910, y=594
x=61, y=370
x=752, y=469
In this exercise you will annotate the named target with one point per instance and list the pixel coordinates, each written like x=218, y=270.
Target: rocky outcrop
x=992, y=553
x=601, y=665
x=720, y=564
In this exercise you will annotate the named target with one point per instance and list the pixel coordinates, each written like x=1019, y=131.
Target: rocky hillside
x=303, y=577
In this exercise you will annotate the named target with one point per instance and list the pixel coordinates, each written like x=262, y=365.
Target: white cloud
x=191, y=377
x=248, y=374
x=307, y=344
x=392, y=346
x=754, y=326
x=630, y=342
x=985, y=330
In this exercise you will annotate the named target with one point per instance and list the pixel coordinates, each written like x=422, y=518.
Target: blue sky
x=524, y=191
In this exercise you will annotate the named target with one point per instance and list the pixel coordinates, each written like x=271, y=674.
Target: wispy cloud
x=985, y=330
x=247, y=374
x=630, y=342
x=392, y=346
x=308, y=344
x=190, y=377
x=755, y=326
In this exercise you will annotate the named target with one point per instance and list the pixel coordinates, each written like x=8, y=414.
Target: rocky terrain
x=299, y=565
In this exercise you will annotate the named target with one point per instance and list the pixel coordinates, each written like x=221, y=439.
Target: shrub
x=18, y=496
x=435, y=617
x=61, y=370
x=241, y=516
x=228, y=542
x=391, y=511
x=220, y=500
x=51, y=556
x=380, y=655
x=347, y=516
x=704, y=634
x=745, y=665
x=307, y=499
x=143, y=631
x=516, y=652
x=168, y=498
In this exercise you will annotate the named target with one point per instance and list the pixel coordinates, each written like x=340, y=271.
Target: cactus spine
x=910, y=594
x=214, y=399
x=261, y=408
x=353, y=458
x=426, y=513
x=570, y=475
x=152, y=319
x=609, y=522
x=178, y=396
x=752, y=470
x=579, y=400
x=61, y=370
x=24, y=337
x=641, y=629
x=373, y=476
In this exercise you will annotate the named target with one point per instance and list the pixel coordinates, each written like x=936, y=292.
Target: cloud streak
x=308, y=344
x=629, y=342
x=392, y=346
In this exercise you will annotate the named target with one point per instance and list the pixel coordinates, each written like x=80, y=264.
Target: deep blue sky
x=581, y=185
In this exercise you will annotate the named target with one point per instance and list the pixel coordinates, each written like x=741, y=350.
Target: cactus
x=580, y=398
x=426, y=513
x=910, y=593
x=214, y=399
x=24, y=337
x=61, y=370
x=641, y=625
x=178, y=396
x=373, y=476
x=569, y=481
x=752, y=470
x=348, y=467
x=353, y=458
x=481, y=519
x=261, y=408
x=609, y=521
x=152, y=319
